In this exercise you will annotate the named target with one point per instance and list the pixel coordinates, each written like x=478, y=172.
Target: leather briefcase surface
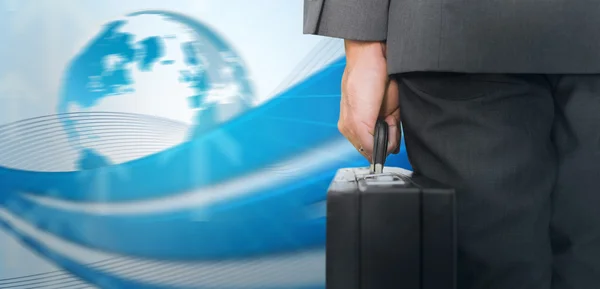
x=388, y=228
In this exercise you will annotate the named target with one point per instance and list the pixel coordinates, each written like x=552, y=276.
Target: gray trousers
x=523, y=152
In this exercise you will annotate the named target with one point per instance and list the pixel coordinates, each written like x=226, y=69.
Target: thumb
x=390, y=111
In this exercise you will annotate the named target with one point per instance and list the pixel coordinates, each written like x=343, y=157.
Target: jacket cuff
x=365, y=20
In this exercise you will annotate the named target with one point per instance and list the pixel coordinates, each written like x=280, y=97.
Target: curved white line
x=285, y=172
x=296, y=269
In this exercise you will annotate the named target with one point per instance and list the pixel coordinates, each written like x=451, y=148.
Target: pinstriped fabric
x=349, y=19
x=473, y=36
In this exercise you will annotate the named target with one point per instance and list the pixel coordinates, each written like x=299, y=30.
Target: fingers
x=390, y=111
x=347, y=128
x=363, y=90
x=351, y=135
x=368, y=95
x=359, y=134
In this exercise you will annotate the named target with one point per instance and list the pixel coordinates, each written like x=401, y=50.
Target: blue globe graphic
x=167, y=90
x=148, y=82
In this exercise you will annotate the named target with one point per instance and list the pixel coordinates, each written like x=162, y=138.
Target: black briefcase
x=388, y=228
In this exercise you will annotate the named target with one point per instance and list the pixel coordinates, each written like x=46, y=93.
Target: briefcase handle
x=380, y=146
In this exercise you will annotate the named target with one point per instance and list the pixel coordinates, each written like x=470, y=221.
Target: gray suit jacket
x=477, y=36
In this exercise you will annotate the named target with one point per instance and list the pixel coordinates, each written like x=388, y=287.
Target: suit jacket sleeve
x=365, y=20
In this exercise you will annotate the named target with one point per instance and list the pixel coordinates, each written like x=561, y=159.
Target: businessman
x=498, y=98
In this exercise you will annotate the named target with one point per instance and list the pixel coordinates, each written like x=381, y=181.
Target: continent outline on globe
x=203, y=74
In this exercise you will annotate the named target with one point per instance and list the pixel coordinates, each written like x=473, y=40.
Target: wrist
x=364, y=50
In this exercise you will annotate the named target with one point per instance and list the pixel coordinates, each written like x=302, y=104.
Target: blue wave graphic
x=100, y=278
x=275, y=224
x=268, y=220
x=292, y=123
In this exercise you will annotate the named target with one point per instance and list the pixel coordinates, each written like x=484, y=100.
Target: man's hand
x=368, y=94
